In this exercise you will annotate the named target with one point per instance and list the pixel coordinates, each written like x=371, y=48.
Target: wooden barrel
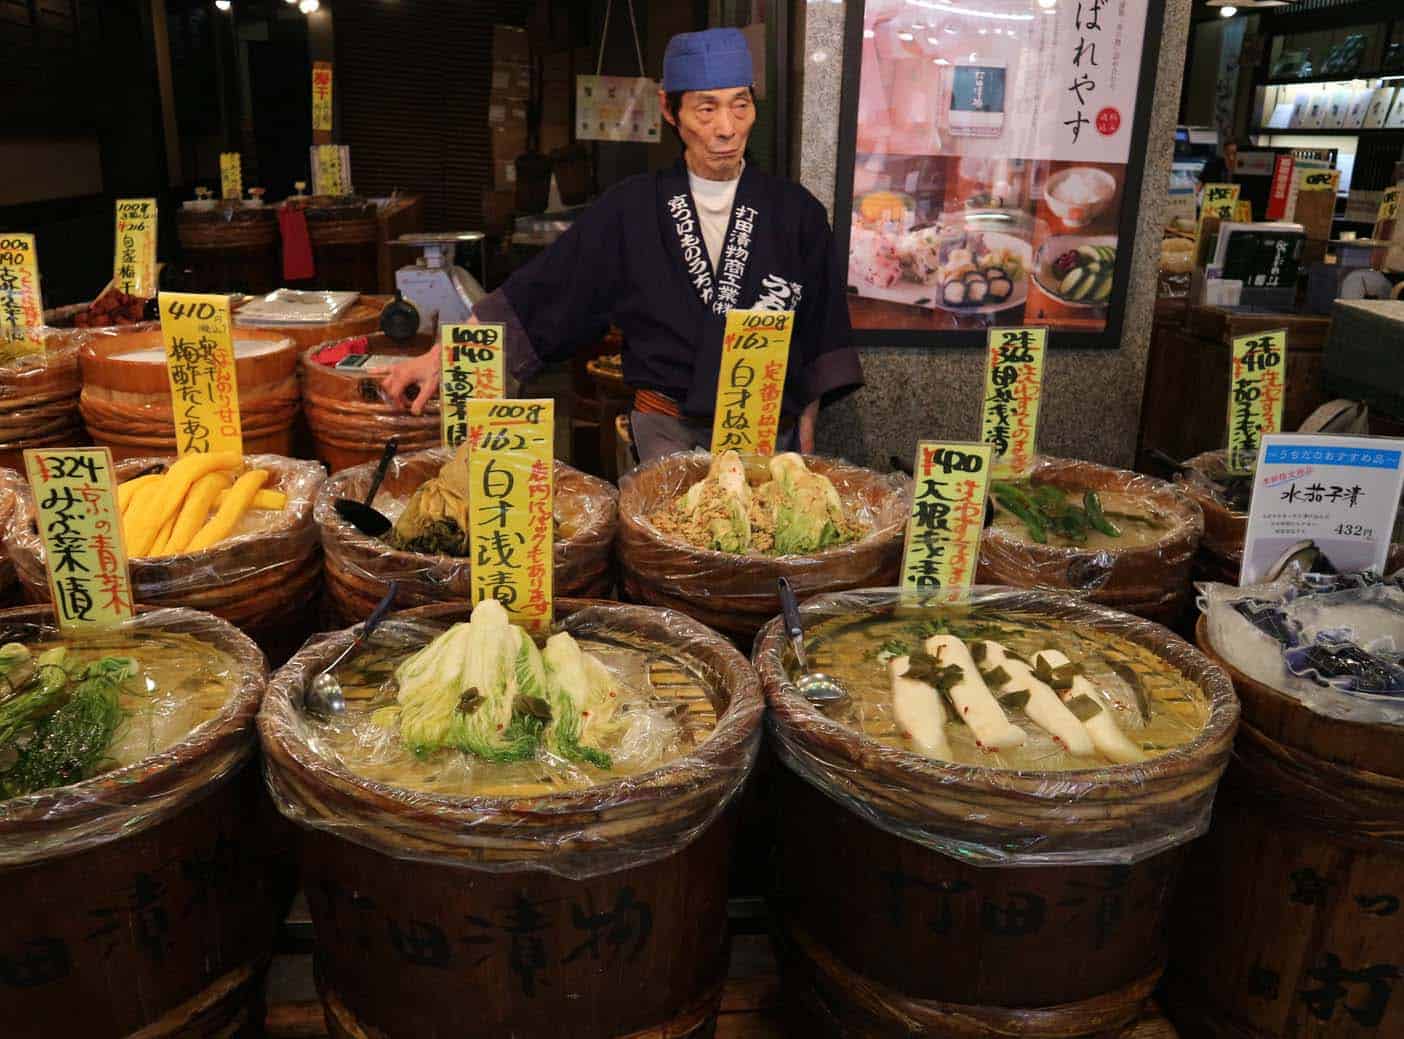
x=344, y=237
x=349, y=418
x=920, y=897
x=145, y=901
x=596, y=914
x=39, y=399
x=362, y=318
x=1289, y=922
x=126, y=400
x=12, y=483
x=263, y=581
x=231, y=247
x=359, y=568
x=737, y=594
x=1151, y=582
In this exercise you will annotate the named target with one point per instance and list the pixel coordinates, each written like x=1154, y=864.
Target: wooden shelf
x=1334, y=78
x=1258, y=131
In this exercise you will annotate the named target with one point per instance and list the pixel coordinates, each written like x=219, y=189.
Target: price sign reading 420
x=948, y=515
x=1013, y=388
x=75, y=499
x=511, y=484
x=134, y=263
x=751, y=385
x=21, y=305
x=473, y=370
x=203, y=378
x=1257, y=384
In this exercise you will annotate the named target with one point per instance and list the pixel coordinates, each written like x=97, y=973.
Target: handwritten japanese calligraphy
x=751, y=385
x=231, y=176
x=1013, y=388
x=473, y=360
x=1389, y=205
x=328, y=175
x=201, y=368
x=948, y=514
x=322, y=96
x=75, y=500
x=134, y=262
x=1256, y=390
x=21, y=304
x=511, y=480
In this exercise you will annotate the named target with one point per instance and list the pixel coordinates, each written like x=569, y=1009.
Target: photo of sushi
x=1077, y=270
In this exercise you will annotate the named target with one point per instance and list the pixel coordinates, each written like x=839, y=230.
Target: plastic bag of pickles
x=106, y=735
x=1004, y=727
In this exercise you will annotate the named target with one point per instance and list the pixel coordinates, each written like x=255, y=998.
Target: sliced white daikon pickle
x=1083, y=701
x=919, y=712
x=1043, y=707
x=972, y=698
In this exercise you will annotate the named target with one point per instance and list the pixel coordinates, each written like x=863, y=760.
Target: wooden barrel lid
x=134, y=361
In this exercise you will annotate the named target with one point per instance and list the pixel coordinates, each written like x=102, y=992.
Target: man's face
x=714, y=126
x=1231, y=156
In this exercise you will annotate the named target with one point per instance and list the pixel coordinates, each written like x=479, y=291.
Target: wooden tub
x=126, y=401
x=145, y=901
x=350, y=420
x=1288, y=923
x=231, y=247
x=344, y=234
x=39, y=399
x=737, y=594
x=919, y=897
x=595, y=914
x=359, y=568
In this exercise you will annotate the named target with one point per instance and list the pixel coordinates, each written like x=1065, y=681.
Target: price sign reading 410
x=1257, y=385
x=511, y=487
x=751, y=385
x=201, y=367
x=473, y=370
x=948, y=515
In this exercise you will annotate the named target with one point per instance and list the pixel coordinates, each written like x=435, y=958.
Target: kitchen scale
x=434, y=285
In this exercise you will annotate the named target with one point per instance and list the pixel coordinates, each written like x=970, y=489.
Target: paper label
x=1389, y=205
x=1219, y=200
x=327, y=175
x=322, y=96
x=1243, y=211
x=473, y=369
x=1318, y=180
x=134, y=267
x=1334, y=495
x=511, y=489
x=617, y=108
x=231, y=176
x=751, y=384
x=1013, y=388
x=1257, y=384
x=948, y=515
x=203, y=377
x=21, y=304
x=75, y=500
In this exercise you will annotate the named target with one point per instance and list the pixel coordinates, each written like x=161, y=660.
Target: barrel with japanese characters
x=596, y=911
x=943, y=893
x=1289, y=921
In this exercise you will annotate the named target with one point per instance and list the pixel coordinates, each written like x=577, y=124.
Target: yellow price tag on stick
x=75, y=502
x=21, y=302
x=231, y=176
x=327, y=174
x=1257, y=386
x=1219, y=200
x=511, y=487
x=751, y=384
x=948, y=515
x=322, y=96
x=1389, y=205
x=473, y=370
x=204, y=380
x=1318, y=180
x=1013, y=389
x=134, y=265
x=1243, y=211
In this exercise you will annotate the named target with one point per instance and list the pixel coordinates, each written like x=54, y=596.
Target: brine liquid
x=1152, y=525
x=1128, y=679
x=668, y=709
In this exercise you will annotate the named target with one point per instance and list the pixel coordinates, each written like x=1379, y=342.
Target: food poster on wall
x=990, y=163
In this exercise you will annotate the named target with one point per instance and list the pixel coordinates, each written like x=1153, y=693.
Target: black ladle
x=369, y=521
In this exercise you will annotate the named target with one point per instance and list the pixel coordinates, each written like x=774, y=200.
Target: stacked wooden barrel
x=39, y=399
x=231, y=247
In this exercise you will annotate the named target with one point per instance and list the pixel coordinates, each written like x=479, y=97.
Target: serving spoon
x=324, y=695
x=361, y=515
x=815, y=686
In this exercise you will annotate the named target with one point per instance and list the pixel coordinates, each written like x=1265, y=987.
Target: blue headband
x=715, y=59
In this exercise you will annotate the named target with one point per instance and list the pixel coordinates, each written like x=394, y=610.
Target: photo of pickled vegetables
x=1051, y=515
x=788, y=510
x=1078, y=271
x=196, y=503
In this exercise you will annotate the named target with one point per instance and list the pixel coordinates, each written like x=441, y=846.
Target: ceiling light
x=1048, y=5
x=1227, y=11
x=309, y=6
x=224, y=5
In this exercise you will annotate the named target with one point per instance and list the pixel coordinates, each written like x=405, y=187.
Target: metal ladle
x=814, y=686
x=324, y=695
x=362, y=515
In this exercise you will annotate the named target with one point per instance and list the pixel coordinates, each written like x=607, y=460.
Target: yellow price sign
x=1257, y=386
x=231, y=176
x=322, y=96
x=134, y=265
x=1013, y=389
x=327, y=175
x=751, y=383
x=1389, y=205
x=21, y=303
x=1318, y=180
x=1243, y=211
x=204, y=380
x=511, y=487
x=75, y=502
x=948, y=515
x=1219, y=200
x=473, y=370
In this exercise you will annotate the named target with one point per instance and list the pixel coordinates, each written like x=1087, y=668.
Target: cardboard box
x=504, y=174
x=555, y=68
x=508, y=142
x=507, y=112
x=498, y=210
x=554, y=135
x=511, y=78
x=509, y=43
x=555, y=102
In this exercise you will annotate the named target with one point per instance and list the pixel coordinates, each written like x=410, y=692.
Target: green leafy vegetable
x=1095, y=516
x=45, y=692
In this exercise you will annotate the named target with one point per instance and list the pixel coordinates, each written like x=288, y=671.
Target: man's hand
x=420, y=373
x=808, y=420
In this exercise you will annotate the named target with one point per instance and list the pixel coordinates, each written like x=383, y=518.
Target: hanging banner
x=75, y=503
x=751, y=384
x=473, y=369
x=616, y=108
x=203, y=377
x=1389, y=205
x=1257, y=386
x=1220, y=200
x=322, y=96
x=329, y=170
x=134, y=265
x=948, y=515
x=21, y=302
x=1013, y=389
x=231, y=176
x=511, y=483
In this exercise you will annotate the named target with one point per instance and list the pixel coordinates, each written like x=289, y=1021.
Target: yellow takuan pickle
x=234, y=507
x=158, y=546
x=182, y=476
x=127, y=491
x=274, y=501
x=140, y=525
x=195, y=511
